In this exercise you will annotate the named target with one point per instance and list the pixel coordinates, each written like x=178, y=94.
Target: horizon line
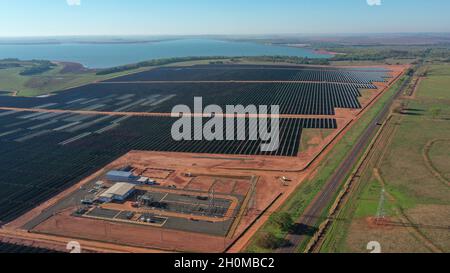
x=250, y=34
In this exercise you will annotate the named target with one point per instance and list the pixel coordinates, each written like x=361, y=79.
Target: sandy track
x=429, y=162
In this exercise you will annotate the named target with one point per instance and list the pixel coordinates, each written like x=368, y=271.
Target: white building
x=118, y=192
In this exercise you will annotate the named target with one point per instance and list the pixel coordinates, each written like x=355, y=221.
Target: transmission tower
x=381, y=212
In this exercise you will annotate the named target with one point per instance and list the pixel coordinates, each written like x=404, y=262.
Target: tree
x=283, y=220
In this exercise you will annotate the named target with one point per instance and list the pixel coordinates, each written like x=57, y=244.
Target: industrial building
x=118, y=192
x=120, y=176
x=129, y=177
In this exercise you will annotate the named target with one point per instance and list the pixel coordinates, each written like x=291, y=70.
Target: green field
x=417, y=201
x=50, y=81
x=437, y=85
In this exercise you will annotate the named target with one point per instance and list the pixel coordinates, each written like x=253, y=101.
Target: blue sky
x=185, y=17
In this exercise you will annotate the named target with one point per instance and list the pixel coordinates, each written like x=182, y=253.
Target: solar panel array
x=6, y=248
x=43, y=153
x=324, y=91
x=293, y=98
x=258, y=73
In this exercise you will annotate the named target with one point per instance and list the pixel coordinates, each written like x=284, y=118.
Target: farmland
x=53, y=142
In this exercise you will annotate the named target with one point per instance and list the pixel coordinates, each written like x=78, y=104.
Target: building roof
x=119, y=189
x=143, y=179
x=120, y=174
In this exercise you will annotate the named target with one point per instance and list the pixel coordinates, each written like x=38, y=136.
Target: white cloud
x=73, y=2
x=374, y=2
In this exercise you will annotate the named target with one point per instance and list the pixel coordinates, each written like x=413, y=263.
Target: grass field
x=417, y=201
x=299, y=201
x=439, y=154
x=437, y=85
x=53, y=80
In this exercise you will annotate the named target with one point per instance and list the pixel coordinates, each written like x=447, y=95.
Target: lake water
x=108, y=55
